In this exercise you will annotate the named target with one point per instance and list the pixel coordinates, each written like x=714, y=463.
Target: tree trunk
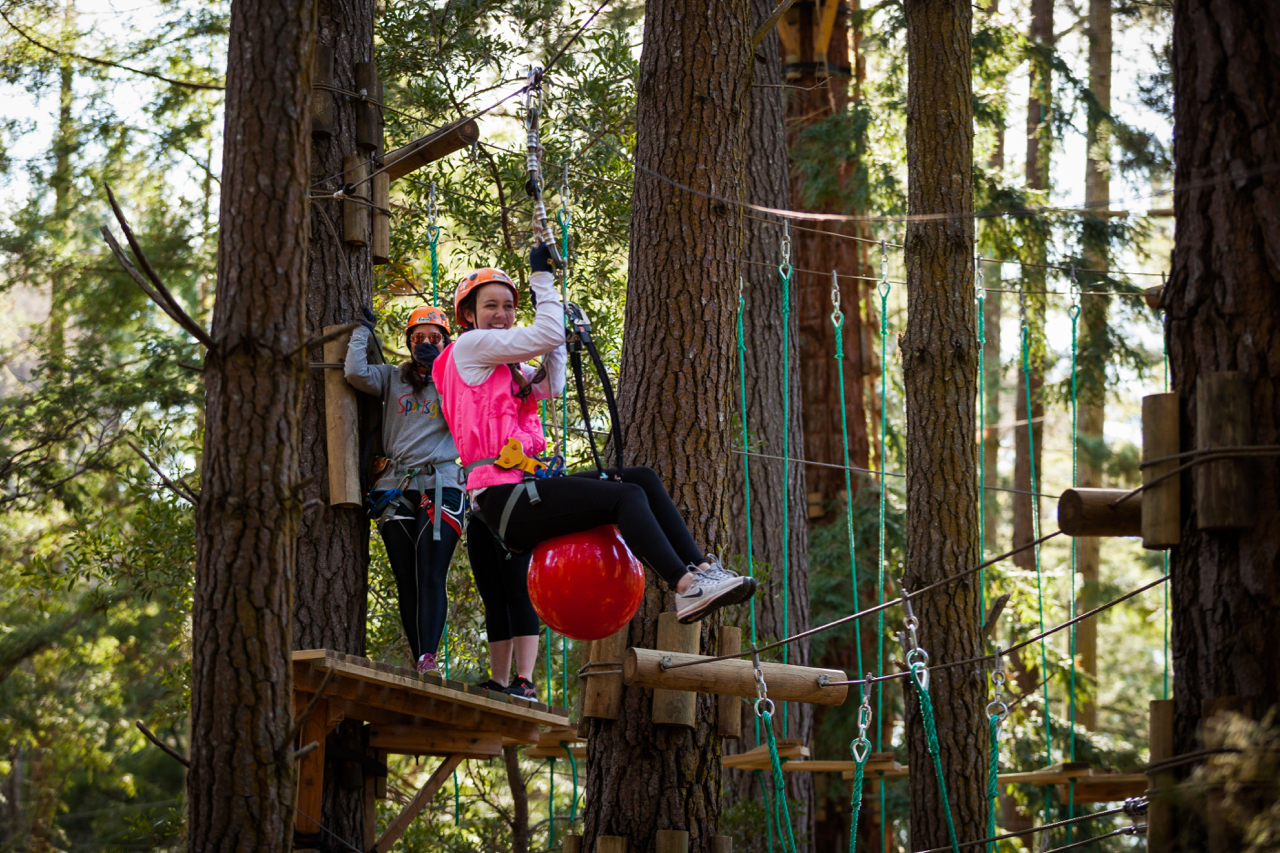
x=519, y=800
x=1222, y=304
x=240, y=788
x=1030, y=432
x=330, y=606
x=940, y=378
x=677, y=385
x=766, y=183
x=993, y=370
x=1093, y=334
x=62, y=180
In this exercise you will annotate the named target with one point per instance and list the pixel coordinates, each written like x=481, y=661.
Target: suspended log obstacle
x=430, y=148
x=1094, y=512
x=645, y=668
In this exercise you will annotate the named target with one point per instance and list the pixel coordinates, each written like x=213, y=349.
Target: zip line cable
x=1047, y=827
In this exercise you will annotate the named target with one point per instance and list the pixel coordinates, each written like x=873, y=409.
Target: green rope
x=883, y=289
x=573, y=764
x=855, y=804
x=1165, y=346
x=1074, y=313
x=768, y=804
x=551, y=804
x=433, y=244
x=837, y=320
x=1035, y=534
x=784, y=270
x=931, y=740
x=993, y=781
x=781, y=809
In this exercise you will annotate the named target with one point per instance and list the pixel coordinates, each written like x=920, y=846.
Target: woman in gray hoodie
x=416, y=493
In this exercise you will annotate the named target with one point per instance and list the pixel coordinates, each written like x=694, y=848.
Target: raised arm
x=363, y=376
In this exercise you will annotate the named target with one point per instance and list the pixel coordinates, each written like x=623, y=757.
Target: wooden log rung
x=786, y=683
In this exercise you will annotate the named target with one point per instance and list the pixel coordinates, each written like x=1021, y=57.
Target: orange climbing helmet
x=479, y=278
x=428, y=314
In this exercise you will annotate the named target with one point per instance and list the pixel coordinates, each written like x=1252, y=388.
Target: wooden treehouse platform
x=407, y=714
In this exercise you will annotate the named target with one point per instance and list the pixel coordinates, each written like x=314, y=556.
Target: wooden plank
x=751, y=757
x=311, y=772
x=729, y=710
x=380, y=244
x=342, y=427
x=434, y=740
x=322, y=99
x=571, y=844
x=676, y=707
x=413, y=686
x=371, y=803
x=671, y=841
x=1161, y=503
x=604, y=692
x=418, y=803
x=611, y=844
x=1160, y=830
x=1055, y=775
x=554, y=737
x=643, y=668
x=414, y=707
x=1104, y=788
x=579, y=752
x=721, y=844
x=355, y=214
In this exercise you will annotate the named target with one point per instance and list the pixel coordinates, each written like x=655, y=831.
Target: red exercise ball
x=585, y=585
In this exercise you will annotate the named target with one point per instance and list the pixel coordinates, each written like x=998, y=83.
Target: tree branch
x=323, y=339
x=160, y=294
x=770, y=22
x=184, y=492
x=177, y=756
x=105, y=62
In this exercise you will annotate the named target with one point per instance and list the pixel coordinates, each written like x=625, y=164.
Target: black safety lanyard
x=578, y=338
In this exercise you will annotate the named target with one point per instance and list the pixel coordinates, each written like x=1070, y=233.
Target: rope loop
x=860, y=749
x=785, y=268
x=431, y=209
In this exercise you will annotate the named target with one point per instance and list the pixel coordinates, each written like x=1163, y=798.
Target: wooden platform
x=1091, y=785
x=408, y=714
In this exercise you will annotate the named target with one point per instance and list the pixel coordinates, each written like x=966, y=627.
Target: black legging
x=421, y=566
x=648, y=520
x=502, y=579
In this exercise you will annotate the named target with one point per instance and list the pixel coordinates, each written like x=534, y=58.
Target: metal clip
x=884, y=269
x=996, y=707
x=764, y=705
x=837, y=317
x=861, y=747
x=980, y=281
x=785, y=267
x=1022, y=306
x=913, y=654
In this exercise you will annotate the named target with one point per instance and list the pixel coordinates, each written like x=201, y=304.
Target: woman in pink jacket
x=486, y=396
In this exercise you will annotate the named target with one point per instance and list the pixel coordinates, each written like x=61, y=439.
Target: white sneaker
x=709, y=591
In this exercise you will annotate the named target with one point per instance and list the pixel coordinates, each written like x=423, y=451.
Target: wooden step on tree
x=408, y=714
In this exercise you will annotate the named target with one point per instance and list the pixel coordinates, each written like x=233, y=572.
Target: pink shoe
x=427, y=665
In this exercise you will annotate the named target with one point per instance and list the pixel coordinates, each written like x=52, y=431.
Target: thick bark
x=766, y=183
x=677, y=385
x=333, y=545
x=1223, y=313
x=992, y=380
x=1093, y=334
x=1029, y=436
x=240, y=788
x=940, y=377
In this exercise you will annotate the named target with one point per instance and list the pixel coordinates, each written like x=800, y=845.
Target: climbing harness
x=578, y=338
x=533, y=165
x=860, y=749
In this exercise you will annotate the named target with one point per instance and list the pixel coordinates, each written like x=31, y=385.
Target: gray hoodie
x=414, y=433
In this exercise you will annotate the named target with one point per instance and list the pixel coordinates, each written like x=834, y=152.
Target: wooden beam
x=604, y=692
x=554, y=737
x=415, y=806
x=433, y=740
x=342, y=427
x=1089, y=512
x=729, y=713
x=427, y=149
x=579, y=752
x=393, y=832
x=311, y=771
x=1103, y=788
x=786, y=749
x=643, y=668
x=1160, y=829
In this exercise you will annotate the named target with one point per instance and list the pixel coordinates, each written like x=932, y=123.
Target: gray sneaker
x=717, y=571
x=709, y=592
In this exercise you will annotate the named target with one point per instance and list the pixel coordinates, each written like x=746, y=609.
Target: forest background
x=100, y=396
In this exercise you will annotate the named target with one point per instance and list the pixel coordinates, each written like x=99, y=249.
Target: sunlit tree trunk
x=940, y=378
x=240, y=789
x=1223, y=313
x=678, y=385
